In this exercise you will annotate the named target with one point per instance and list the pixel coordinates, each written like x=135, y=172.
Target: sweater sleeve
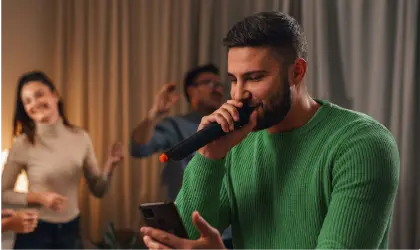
x=204, y=190
x=15, y=164
x=97, y=182
x=364, y=186
x=165, y=135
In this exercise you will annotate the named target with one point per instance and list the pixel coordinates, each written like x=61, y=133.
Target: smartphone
x=164, y=216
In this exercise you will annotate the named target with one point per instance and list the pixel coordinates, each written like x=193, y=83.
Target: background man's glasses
x=211, y=84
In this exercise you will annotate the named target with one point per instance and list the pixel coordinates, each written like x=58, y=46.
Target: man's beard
x=275, y=109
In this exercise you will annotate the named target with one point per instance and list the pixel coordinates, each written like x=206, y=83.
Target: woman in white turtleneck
x=54, y=154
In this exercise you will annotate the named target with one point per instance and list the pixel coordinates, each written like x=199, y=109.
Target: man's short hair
x=274, y=29
x=191, y=75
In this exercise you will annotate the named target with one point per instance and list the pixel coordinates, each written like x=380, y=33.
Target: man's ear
x=297, y=71
x=191, y=92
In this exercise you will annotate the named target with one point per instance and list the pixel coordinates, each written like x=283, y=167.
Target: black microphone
x=206, y=135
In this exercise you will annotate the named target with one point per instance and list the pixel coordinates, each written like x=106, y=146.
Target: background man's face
x=208, y=90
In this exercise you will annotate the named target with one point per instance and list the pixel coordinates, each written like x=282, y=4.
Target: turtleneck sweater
x=54, y=163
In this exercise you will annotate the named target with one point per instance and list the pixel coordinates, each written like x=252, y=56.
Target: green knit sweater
x=328, y=184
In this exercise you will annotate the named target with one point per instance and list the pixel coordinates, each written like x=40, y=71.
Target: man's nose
x=239, y=92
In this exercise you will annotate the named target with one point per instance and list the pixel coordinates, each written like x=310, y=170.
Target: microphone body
x=203, y=137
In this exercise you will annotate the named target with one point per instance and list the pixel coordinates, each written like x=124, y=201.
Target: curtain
x=365, y=55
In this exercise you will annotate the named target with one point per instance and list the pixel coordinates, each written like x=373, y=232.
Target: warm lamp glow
x=21, y=184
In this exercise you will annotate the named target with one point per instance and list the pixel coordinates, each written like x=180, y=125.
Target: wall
x=28, y=40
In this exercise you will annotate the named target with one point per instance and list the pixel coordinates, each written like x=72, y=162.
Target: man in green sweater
x=304, y=173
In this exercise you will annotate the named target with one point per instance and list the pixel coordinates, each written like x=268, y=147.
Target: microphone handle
x=200, y=138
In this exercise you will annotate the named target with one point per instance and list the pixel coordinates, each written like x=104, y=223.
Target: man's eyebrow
x=255, y=72
x=249, y=73
x=231, y=75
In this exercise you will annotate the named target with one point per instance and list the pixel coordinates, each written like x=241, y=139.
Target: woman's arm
x=15, y=164
x=97, y=180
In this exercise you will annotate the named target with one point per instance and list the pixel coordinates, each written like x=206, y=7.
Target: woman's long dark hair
x=22, y=123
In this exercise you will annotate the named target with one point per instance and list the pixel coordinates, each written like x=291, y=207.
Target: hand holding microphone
x=226, y=116
x=218, y=132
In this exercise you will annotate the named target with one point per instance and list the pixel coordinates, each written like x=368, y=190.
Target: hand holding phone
x=164, y=216
x=161, y=239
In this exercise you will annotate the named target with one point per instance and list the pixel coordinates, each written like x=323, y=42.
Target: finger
x=26, y=223
x=239, y=134
x=203, y=226
x=63, y=205
x=169, y=87
x=252, y=121
x=7, y=212
x=235, y=103
x=26, y=218
x=57, y=203
x=233, y=110
x=61, y=199
x=206, y=120
x=249, y=127
x=163, y=237
x=214, y=118
x=115, y=160
x=33, y=223
x=220, y=119
x=171, y=101
x=29, y=229
x=33, y=226
x=58, y=206
x=53, y=207
x=231, y=107
x=150, y=243
x=57, y=198
x=227, y=117
x=31, y=213
x=174, y=98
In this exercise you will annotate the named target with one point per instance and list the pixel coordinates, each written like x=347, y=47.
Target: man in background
x=158, y=132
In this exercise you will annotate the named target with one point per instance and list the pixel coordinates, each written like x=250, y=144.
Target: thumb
x=202, y=225
x=241, y=133
x=249, y=127
x=62, y=198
